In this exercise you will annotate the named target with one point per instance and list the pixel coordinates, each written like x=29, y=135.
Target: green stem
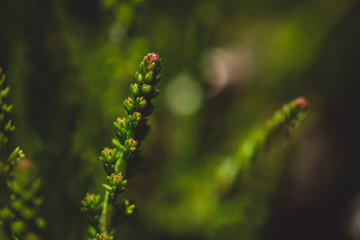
x=106, y=214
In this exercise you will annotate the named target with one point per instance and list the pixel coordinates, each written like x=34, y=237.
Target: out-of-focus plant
x=19, y=217
x=288, y=117
x=124, y=160
x=218, y=199
x=19, y=186
x=246, y=181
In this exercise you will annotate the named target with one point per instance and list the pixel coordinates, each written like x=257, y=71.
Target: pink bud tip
x=301, y=101
x=153, y=58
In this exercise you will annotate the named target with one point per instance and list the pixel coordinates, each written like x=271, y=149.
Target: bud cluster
x=6, y=125
x=24, y=188
x=124, y=160
x=19, y=208
x=109, y=158
x=143, y=90
x=103, y=236
x=116, y=184
x=92, y=202
x=127, y=208
x=132, y=130
x=92, y=207
x=289, y=116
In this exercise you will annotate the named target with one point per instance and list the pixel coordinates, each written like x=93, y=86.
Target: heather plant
x=281, y=124
x=258, y=142
x=19, y=185
x=246, y=180
x=124, y=160
x=19, y=213
x=235, y=192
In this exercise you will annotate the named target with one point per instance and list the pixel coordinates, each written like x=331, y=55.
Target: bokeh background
x=227, y=66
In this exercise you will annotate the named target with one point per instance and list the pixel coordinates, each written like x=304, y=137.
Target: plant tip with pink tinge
x=152, y=58
x=301, y=101
x=152, y=62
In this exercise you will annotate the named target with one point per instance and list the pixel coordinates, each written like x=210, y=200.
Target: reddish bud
x=152, y=58
x=131, y=144
x=137, y=116
x=152, y=62
x=104, y=236
x=301, y=102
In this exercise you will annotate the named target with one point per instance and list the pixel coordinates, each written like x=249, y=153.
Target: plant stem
x=106, y=213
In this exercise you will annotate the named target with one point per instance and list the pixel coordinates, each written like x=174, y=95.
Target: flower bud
x=120, y=123
x=142, y=102
x=4, y=92
x=138, y=78
x=136, y=116
x=116, y=179
x=117, y=182
x=104, y=236
x=146, y=89
x=129, y=105
x=151, y=62
x=135, y=89
x=14, y=156
x=108, y=155
x=6, y=108
x=127, y=207
x=301, y=102
x=130, y=144
x=148, y=77
x=91, y=202
x=9, y=127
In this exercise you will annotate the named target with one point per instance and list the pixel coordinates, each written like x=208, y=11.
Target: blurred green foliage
x=227, y=66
